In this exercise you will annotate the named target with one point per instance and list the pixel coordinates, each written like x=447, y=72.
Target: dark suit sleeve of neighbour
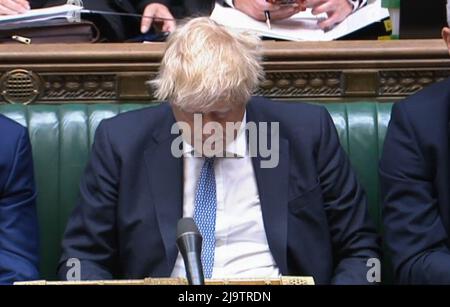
x=352, y=232
x=357, y=4
x=90, y=234
x=141, y=4
x=18, y=217
x=414, y=231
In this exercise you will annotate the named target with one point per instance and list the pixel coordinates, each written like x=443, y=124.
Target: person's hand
x=160, y=11
x=13, y=7
x=336, y=10
x=256, y=8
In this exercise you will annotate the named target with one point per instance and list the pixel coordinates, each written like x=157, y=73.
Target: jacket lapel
x=273, y=194
x=165, y=174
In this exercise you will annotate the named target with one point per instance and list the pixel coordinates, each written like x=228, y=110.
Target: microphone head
x=187, y=225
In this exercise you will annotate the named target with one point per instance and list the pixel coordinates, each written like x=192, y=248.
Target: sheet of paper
x=41, y=14
x=302, y=26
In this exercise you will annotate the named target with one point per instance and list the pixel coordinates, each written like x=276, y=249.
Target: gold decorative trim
x=285, y=280
x=301, y=84
x=76, y=86
x=407, y=82
x=327, y=71
x=20, y=86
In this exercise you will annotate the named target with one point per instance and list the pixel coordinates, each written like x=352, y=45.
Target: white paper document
x=60, y=11
x=302, y=26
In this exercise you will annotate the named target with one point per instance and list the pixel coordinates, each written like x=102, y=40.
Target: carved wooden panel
x=301, y=84
x=407, y=82
x=329, y=71
x=79, y=86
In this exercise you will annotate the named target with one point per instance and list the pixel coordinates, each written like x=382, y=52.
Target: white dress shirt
x=241, y=249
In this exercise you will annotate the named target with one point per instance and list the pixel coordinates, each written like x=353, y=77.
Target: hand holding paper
x=303, y=25
x=336, y=11
x=161, y=11
x=256, y=9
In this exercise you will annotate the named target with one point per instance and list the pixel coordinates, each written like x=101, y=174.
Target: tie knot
x=209, y=160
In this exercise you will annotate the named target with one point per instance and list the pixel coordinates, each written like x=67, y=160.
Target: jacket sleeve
x=141, y=4
x=353, y=234
x=414, y=231
x=90, y=237
x=357, y=4
x=18, y=218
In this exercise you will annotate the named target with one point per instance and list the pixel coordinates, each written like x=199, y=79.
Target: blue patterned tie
x=205, y=214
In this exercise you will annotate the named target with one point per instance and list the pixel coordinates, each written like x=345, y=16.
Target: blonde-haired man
x=415, y=181
x=302, y=214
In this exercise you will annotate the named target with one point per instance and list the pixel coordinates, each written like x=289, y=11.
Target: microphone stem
x=194, y=273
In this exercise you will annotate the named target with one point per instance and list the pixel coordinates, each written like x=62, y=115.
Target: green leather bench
x=61, y=136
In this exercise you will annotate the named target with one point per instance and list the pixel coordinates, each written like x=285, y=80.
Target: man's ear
x=446, y=36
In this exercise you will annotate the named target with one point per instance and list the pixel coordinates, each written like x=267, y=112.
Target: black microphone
x=189, y=242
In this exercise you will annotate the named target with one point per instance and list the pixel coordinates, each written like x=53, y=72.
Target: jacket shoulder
x=136, y=128
x=11, y=132
x=428, y=101
x=147, y=117
x=294, y=119
x=286, y=111
x=291, y=116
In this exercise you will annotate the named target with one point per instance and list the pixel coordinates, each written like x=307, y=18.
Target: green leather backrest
x=61, y=136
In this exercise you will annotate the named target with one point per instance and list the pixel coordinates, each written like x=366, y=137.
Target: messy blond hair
x=205, y=63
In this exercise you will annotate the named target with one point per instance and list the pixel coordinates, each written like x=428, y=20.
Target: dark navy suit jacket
x=314, y=210
x=414, y=173
x=120, y=28
x=18, y=220
x=111, y=27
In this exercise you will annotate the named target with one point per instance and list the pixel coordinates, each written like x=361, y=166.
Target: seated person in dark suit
x=121, y=28
x=295, y=210
x=18, y=220
x=415, y=182
x=116, y=28
x=112, y=27
x=337, y=10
